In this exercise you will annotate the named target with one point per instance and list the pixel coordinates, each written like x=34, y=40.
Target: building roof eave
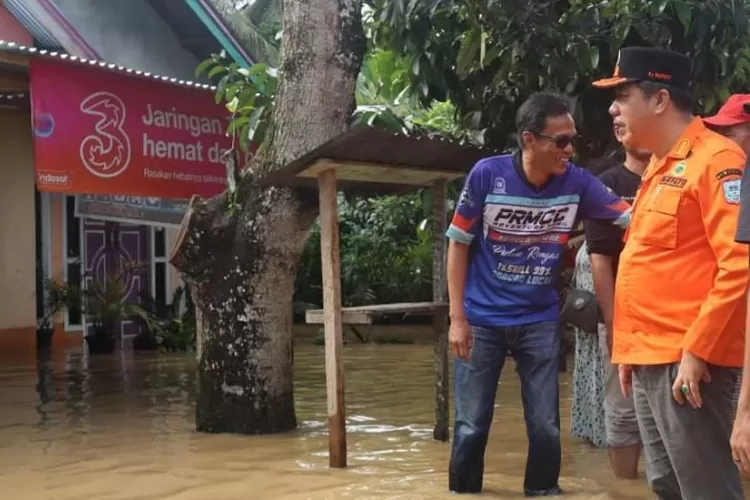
x=22, y=53
x=219, y=29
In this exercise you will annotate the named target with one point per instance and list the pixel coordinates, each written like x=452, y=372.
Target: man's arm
x=457, y=269
x=604, y=242
x=743, y=236
x=719, y=200
x=598, y=202
x=743, y=403
x=461, y=233
x=602, y=239
x=604, y=286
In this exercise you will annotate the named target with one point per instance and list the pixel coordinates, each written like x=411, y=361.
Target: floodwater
x=122, y=428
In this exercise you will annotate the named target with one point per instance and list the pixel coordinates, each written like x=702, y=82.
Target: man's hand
x=691, y=373
x=626, y=379
x=741, y=441
x=459, y=338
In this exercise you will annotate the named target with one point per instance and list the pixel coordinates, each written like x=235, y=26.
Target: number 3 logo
x=106, y=153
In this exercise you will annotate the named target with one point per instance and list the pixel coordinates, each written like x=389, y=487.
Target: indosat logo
x=106, y=152
x=53, y=179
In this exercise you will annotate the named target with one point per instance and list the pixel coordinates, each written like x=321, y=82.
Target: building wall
x=130, y=33
x=17, y=238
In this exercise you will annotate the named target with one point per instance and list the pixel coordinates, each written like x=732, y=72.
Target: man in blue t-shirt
x=507, y=236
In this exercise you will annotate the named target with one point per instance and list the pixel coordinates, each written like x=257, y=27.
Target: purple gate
x=111, y=248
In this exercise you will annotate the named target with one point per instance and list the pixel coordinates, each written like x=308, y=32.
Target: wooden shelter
x=372, y=160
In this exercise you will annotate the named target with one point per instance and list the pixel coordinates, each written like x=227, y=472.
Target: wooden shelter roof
x=374, y=160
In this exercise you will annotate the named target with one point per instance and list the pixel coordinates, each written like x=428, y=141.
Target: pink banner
x=104, y=132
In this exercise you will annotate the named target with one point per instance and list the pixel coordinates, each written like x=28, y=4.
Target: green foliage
x=383, y=79
x=385, y=99
x=249, y=95
x=382, y=95
x=105, y=301
x=170, y=327
x=58, y=296
x=257, y=26
x=386, y=256
x=486, y=56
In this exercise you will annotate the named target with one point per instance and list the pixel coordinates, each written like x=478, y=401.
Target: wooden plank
x=380, y=173
x=317, y=317
x=440, y=322
x=363, y=315
x=331, y=270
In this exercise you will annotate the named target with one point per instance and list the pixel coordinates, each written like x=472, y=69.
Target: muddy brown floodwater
x=122, y=428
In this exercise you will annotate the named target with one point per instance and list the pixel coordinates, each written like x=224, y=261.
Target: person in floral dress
x=587, y=420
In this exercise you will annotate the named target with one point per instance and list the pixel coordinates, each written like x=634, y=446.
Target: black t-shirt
x=603, y=237
x=743, y=223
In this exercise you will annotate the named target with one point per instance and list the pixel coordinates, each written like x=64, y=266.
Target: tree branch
x=206, y=226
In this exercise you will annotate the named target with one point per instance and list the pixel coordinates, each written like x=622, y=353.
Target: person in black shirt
x=605, y=242
x=733, y=121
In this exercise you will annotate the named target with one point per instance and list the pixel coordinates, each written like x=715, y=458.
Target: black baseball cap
x=638, y=64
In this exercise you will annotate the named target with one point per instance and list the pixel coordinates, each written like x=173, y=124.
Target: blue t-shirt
x=518, y=234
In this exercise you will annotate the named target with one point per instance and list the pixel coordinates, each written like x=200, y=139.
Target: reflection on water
x=122, y=428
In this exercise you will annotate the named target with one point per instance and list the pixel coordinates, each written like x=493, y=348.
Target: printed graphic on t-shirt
x=522, y=225
x=509, y=215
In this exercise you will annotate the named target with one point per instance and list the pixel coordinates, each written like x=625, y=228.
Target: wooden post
x=440, y=321
x=331, y=269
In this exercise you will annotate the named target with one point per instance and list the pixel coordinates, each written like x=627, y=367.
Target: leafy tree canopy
x=486, y=56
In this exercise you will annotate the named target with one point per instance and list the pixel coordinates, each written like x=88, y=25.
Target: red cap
x=732, y=112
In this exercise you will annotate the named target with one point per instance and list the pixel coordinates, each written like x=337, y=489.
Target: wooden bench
x=364, y=315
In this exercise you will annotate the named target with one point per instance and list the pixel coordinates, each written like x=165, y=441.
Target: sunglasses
x=560, y=141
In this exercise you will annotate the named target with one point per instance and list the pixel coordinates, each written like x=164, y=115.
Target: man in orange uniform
x=680, y=289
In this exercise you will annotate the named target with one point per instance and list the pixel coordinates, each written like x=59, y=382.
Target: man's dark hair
x=533, y=113
x=682, y=99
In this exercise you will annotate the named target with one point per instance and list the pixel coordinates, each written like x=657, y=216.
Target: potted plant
x=58, y=296
x=106, y=306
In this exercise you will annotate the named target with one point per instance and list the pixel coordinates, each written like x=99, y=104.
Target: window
x=72, y=229
x=159, y=266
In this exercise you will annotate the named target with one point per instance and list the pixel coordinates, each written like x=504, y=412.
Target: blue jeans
x=536, y=349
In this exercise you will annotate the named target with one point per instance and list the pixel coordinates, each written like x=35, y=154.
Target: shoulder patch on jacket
x=731, y=189
x=727, y=172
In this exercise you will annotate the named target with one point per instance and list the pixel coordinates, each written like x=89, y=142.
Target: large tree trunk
x=242, y=268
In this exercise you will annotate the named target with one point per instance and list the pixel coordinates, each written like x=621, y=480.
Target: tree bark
x=242, y=267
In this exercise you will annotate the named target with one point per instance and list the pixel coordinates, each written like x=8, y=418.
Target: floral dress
x=587, y=420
